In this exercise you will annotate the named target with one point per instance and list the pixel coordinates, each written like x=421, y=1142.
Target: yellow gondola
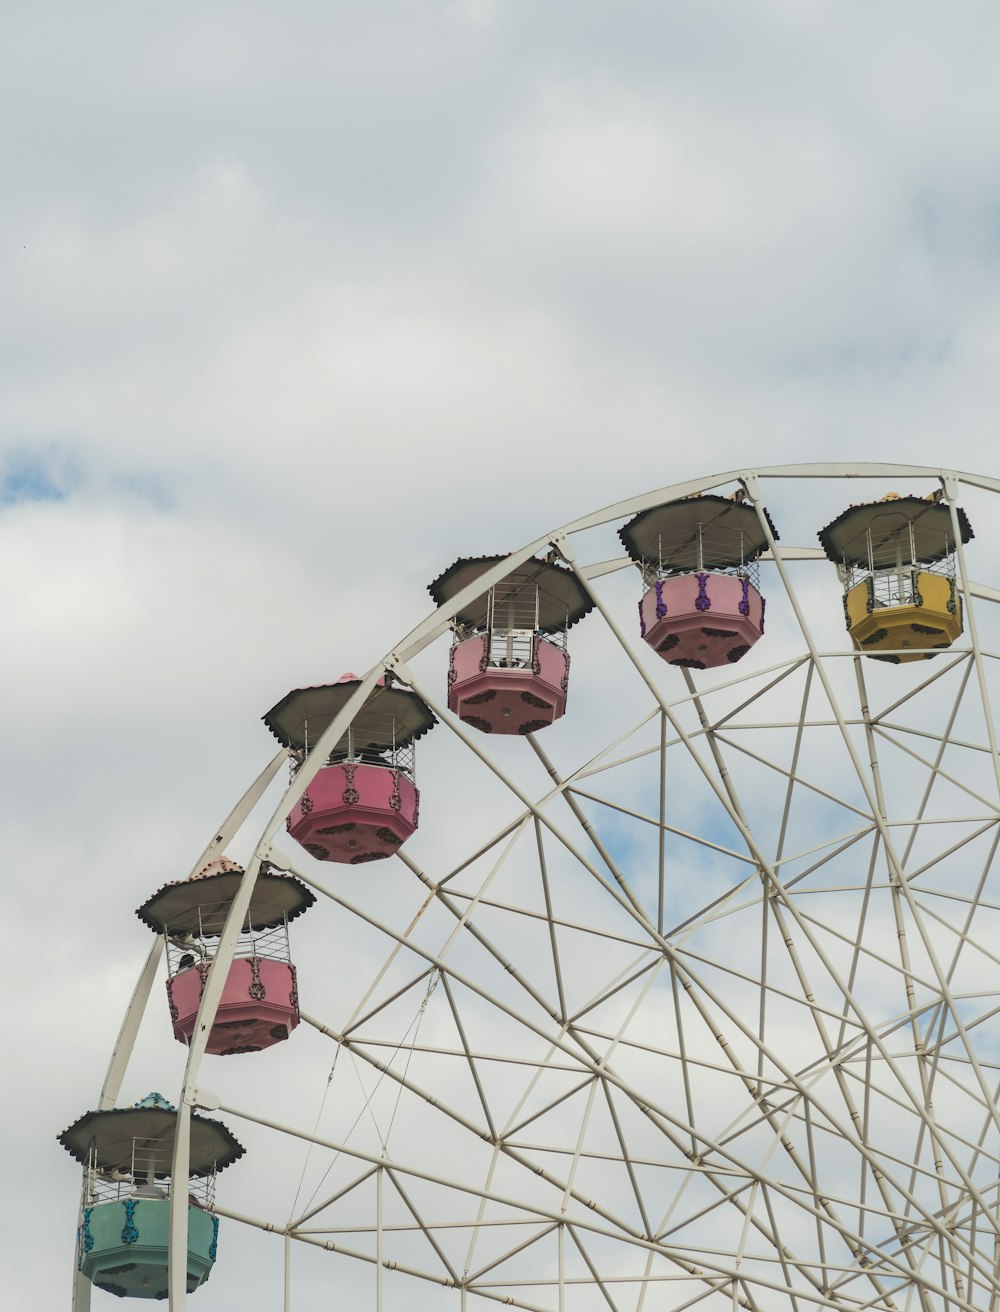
x=897, y=562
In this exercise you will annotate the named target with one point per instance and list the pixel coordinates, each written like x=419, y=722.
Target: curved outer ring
x=419, y=637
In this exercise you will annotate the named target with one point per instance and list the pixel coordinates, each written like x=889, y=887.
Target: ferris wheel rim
x=437, y=622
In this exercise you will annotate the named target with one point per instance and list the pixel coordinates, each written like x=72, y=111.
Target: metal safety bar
x=189, y=950
x=142, y=1172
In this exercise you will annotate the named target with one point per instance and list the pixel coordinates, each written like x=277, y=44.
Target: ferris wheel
x=674, y=982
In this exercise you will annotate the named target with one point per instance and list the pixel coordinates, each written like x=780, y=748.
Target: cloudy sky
x=303, y=301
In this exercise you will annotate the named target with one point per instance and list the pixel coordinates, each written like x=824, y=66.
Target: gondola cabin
x=126, y=1153
x=698, y=559
x=896, y=558
x=260, y=1001
x=508, y=669
x=363, y=803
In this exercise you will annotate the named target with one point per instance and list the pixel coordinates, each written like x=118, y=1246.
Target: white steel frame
x=863, y=1172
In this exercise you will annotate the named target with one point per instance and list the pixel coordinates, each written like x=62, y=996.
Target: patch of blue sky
x=974, y=1013
x=693, y=873
x=881, y=361
x=951, y=229
x=696, y=873
x=32, y=477
x=51, y=473
x=146, y=486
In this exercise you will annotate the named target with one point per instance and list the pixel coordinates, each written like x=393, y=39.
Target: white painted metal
x=821, y=1128
x=81, y=1289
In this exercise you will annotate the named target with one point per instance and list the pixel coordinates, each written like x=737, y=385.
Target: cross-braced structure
x=692, y=1000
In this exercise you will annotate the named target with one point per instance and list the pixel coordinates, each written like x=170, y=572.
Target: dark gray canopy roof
x=846, y=538
x=390, y=715
x=667, y=536
x=199, y=906
x=120, y=1132
x=562, y=599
